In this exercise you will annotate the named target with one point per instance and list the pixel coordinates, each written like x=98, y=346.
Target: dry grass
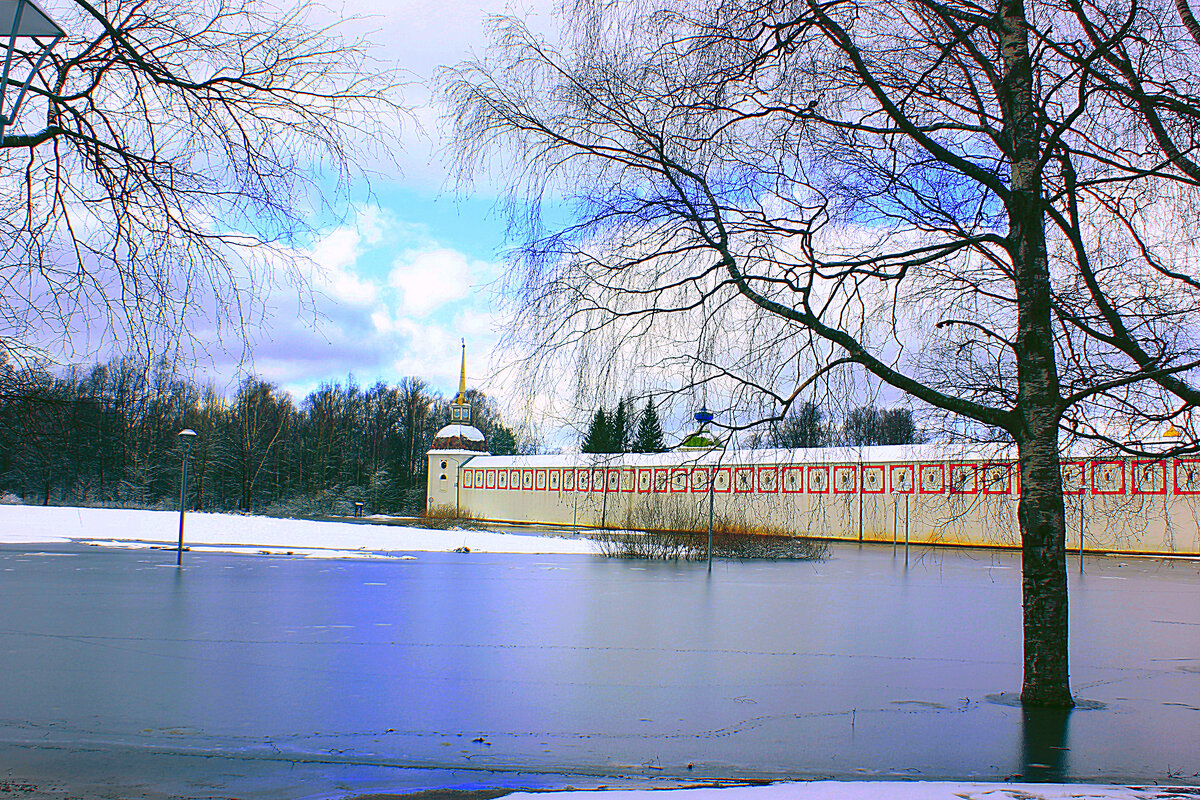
x=443, y=517
x=687, y=540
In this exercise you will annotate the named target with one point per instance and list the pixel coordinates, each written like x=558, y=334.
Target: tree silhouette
x=649, y=437
x=990, y=215
x=167, y=158
x=599, y=438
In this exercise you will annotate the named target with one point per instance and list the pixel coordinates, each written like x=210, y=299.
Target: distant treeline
x=805, y=425
x=108, y=435
x=808, y=425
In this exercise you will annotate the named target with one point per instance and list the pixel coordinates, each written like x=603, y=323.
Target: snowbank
x=877, y=790
x=116, y=527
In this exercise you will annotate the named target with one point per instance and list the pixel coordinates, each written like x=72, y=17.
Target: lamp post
x=704, y=416
x=22, y=19
x=185, y=441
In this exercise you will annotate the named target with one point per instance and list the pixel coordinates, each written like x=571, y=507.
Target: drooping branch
x=1188, y=19
x=180, y=151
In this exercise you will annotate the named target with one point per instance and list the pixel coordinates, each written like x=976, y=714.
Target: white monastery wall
x=869, y=494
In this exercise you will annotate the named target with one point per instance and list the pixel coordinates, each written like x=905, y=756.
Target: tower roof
x=460, y=434
x=460, y=437
x=461, y=399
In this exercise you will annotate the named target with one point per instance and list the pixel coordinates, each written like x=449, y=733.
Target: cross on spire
x=462, y=380
x=460, y=409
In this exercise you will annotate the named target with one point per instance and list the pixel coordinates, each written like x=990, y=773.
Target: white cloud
x=429, y=279
x=378, y=315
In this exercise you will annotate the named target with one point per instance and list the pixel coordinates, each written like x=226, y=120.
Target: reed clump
x=684, y=537
x=447, y=516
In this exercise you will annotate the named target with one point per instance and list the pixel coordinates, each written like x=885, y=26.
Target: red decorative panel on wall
x=997, y=478
x=931, y=478
x=583, y=480
x=818, y=480
x=873, y=480
x=1074, y=477
x=792, y=479
x=743, y=479
x=662, y=480
x=1148, y=477
x=768, y=479
x=845, y=480
x=900, y=478
x=1108, y=477
x=527, y=480
x=568, y=480
x=1187, y=476
x=628, y=479
x=612, y=480
x=468, y=479
x=554, y=480
x=698, y=479
x=539, y=480
x=964, y=478
x=502, y=479
x=679, y=479
x=645, y=480
x=722, y=479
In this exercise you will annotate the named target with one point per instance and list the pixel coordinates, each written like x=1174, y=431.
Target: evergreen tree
x=501, y=442
x=619, y=425
x=599, y=435
x=649, y=438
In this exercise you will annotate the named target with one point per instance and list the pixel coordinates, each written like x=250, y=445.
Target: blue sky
x=411, y=270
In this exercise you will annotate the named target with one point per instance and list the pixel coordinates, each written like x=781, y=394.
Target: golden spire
x=462, y=380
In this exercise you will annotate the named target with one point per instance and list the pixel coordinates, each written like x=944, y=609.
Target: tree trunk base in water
x=1050, y=697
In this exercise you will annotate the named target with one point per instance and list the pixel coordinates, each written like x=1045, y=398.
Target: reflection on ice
x=856, y=666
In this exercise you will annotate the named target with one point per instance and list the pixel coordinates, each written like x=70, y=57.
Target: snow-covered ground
x=881, y=790
x=236, y=532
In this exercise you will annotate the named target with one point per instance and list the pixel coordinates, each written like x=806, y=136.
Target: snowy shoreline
x=117, y=527
x=883, y=790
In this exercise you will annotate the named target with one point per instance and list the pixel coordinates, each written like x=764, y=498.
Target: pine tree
x=620, y=424
x=502, y=442
x=599, y=435
x=649, y=438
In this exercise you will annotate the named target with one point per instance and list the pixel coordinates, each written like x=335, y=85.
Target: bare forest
x=108, y=435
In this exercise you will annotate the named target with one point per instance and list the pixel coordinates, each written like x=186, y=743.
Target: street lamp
x=22, y=19
x=704, y=416
x=185, y=441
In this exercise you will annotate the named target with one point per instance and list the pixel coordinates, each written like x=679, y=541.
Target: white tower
x=453, y=446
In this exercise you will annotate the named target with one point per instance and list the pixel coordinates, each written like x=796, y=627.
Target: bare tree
x=261, y=418
x=166, y=159
x=989, y=214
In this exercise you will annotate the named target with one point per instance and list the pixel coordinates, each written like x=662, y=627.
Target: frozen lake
x=269, y=676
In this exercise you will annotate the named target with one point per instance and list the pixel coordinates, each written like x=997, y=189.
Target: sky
x=411, y=272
